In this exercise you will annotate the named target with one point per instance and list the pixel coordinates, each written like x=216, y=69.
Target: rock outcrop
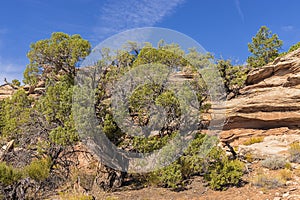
x=269, y=104
x=6, y=91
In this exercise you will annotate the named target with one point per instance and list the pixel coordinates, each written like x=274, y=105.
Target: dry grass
x=267, y=181
x=274, y=163
x=294, y=151
x=253, y=140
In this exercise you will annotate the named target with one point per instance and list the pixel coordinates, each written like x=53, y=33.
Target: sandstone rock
x=6, y=91
x=272, y=145
x=268, y=105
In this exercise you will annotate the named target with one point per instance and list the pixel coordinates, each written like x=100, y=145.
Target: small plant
x=288, y=166
x=294, y=151
x=265, y=181
x=274, y=163
x=285, y=174
x=8, y=174
x=38, y=170
x=249, y=157
x=253, y=140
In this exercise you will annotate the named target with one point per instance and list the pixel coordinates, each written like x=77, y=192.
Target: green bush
x=218, y=170
x=294, y=47
x=234, y=77
x=274, y=163
x=170, y=176
x=225, y=173
x=38, y=170
x=8, y=174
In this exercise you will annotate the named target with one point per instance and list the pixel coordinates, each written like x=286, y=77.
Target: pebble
x=277, y=194
x=285, y=194
x=277, y=198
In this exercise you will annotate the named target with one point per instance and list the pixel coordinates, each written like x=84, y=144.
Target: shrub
x=38, y=170
x=266, y=181
x=274, y=163
x=218, y=170
x=8, y=174
x=169, y=176
x=253, y=140
x=225, y=173
x=249, y=157
x=294, y=151
x=294, y=47
x=285, y=174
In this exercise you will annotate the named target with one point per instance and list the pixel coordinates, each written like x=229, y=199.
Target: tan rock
x=6, y=91
x=268, y=105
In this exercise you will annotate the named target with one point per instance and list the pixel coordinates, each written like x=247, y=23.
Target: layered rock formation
x=6, y=91
x=269, y=104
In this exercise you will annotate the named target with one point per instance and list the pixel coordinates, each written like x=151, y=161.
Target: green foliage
x=222, y=172
x=192, y=163
x=294, y=151
x=57, y=55
x=218, y=170
x=38, y=170
x=274, y=163
x=56, y=106
x=294, y=47
x=142, y=98
x=264, y=47
x=169, y=176
x=234, y=77
x=169, y=102
x=16, y=112
x=149, y=144
x=16, y=83
x=8, y=174
x=64, y=135
x=111, y=130
x=170, y=56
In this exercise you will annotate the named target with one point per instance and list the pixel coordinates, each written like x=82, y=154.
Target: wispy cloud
x=238, y=7
x=10, y=71
x=288, y=28
x=119, y=15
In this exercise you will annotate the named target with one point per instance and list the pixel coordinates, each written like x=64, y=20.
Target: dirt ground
x=196, y=190
x=199, y=192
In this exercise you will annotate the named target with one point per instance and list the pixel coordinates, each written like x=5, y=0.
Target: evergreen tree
x=264, y=47
x=57, y=55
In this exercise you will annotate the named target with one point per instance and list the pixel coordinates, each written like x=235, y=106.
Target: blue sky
x=223, y=27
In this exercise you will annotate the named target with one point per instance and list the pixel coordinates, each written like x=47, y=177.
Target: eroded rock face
x=6, y=91
x=270, y=101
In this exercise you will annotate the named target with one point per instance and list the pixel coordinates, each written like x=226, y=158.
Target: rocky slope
x=268, y=105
